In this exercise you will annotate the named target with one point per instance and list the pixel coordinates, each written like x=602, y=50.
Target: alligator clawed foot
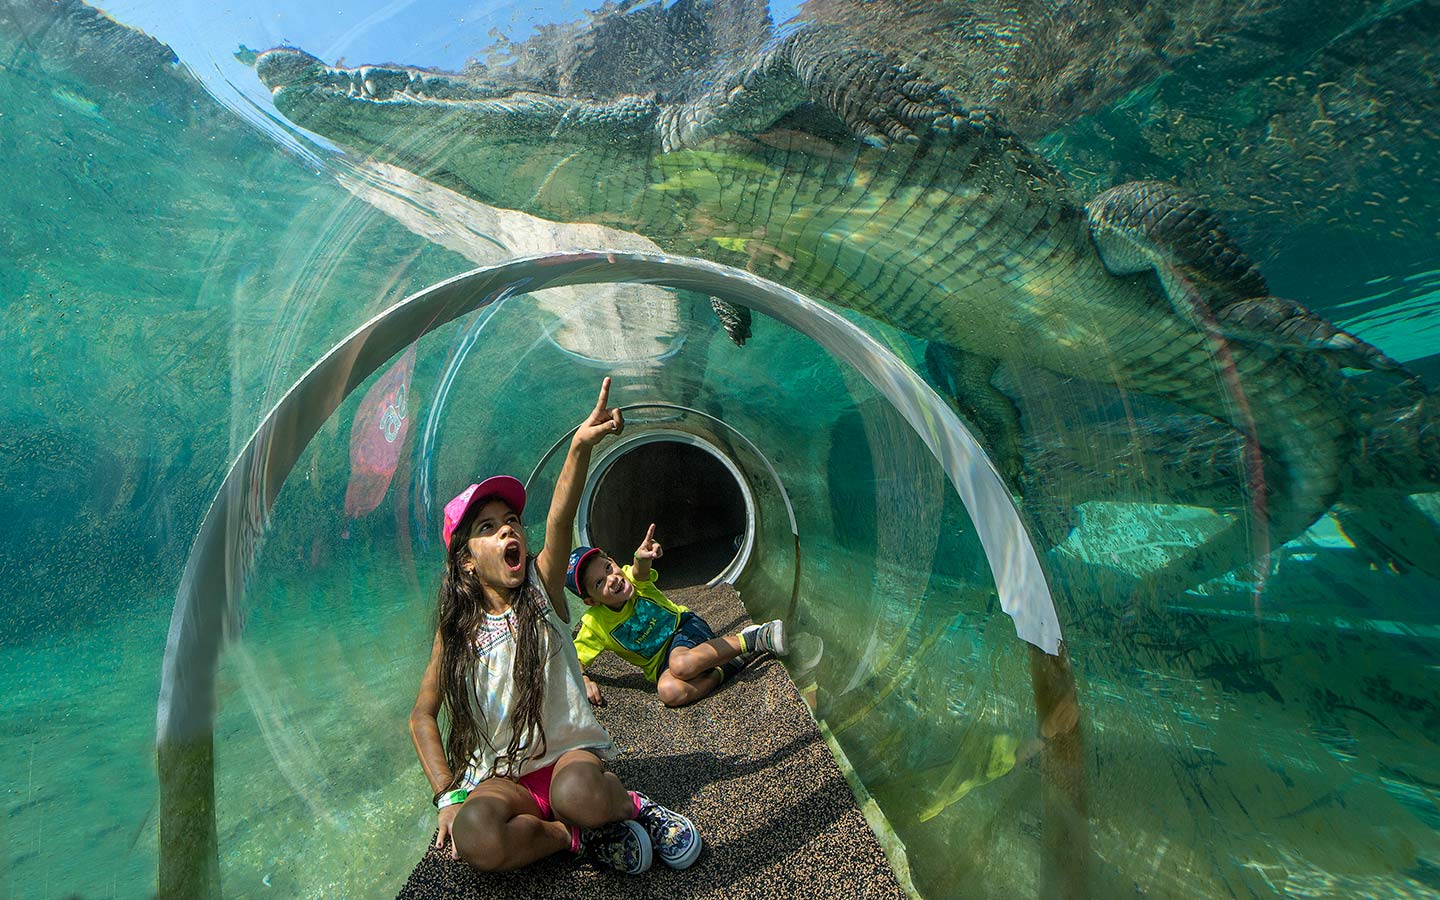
x=881, y=100
x=734, y=319
x=1153, y=225
x=914, y=109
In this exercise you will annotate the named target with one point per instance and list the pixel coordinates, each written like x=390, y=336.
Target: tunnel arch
x=212, y=582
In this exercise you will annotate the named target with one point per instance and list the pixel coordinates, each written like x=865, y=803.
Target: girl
x=520, y=774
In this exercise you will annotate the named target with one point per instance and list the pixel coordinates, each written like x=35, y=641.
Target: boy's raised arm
x=601, y=423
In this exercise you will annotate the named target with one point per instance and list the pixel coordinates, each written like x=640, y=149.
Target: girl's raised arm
x=602, y=422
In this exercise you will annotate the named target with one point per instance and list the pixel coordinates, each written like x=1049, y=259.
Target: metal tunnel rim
x=627, y=444
x=735, y=433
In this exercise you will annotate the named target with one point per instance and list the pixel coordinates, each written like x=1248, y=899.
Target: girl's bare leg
x=585, y=794
x=499, y=828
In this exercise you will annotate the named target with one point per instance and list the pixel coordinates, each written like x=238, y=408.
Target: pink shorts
x=538, y=784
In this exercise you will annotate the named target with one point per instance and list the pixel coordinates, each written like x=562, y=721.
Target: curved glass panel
x=906, y=477
x=1235, y=504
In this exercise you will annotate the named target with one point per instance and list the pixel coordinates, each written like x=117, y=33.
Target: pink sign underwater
x=377, y=437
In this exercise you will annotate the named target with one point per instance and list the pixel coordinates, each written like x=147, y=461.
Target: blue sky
x=410, y=31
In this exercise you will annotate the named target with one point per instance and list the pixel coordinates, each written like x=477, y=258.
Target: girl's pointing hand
x=602, y=421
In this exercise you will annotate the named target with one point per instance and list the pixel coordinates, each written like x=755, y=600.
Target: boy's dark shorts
x=691, y=632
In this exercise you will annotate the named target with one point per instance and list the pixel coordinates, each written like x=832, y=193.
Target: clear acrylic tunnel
x=811, y=468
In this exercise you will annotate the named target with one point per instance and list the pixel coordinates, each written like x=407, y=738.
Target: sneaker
x=674, y=836
x=768, y=637
x=622, y=846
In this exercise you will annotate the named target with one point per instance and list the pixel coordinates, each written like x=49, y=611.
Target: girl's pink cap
x=502, y=486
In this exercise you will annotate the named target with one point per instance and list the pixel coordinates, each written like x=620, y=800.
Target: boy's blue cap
x=578, y=557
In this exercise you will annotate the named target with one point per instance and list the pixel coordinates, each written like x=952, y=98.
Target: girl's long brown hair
x=459, y=615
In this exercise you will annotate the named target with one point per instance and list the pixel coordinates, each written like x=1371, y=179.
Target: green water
x=167, y=272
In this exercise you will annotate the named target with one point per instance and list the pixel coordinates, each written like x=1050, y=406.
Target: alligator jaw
x=286, y=68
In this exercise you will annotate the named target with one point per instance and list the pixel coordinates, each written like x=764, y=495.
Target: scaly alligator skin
x=847, y=176
x=1337, y=99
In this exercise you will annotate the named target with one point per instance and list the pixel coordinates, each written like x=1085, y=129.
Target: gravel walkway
x=747, y=764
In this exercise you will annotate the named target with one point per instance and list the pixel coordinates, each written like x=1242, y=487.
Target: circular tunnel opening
x=699, y=502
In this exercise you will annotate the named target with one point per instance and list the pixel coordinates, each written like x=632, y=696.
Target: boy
x=628, y=614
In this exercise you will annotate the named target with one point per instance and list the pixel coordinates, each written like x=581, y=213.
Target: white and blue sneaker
x=769, y=637
x=622, y=846
x=674, y=837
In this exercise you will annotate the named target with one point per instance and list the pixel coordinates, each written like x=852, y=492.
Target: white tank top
x=569, y=721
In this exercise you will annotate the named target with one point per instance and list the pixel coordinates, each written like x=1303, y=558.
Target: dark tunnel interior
x=693, y=499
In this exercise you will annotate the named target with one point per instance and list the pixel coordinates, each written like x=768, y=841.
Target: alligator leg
x=1144, y=225
x=1150, y=226
x=818, y=64
x=734, y=319
x=1213, y=285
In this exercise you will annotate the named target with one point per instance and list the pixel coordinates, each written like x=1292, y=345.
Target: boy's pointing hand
x=649, y=548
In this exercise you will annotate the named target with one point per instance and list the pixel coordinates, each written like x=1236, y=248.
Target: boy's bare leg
x=695, y=672
x=674, y=691
x=688, y=663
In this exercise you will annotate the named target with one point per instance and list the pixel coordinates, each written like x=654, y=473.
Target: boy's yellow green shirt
x=638, y=632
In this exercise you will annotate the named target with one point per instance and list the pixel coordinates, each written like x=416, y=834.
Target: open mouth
x=513, y=556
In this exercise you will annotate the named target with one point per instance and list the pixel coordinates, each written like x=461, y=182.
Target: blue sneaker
x=622, y=846
x=674, y=836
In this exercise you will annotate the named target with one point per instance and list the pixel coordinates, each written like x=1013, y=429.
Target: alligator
x=841, y=172
x=1336, y=99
